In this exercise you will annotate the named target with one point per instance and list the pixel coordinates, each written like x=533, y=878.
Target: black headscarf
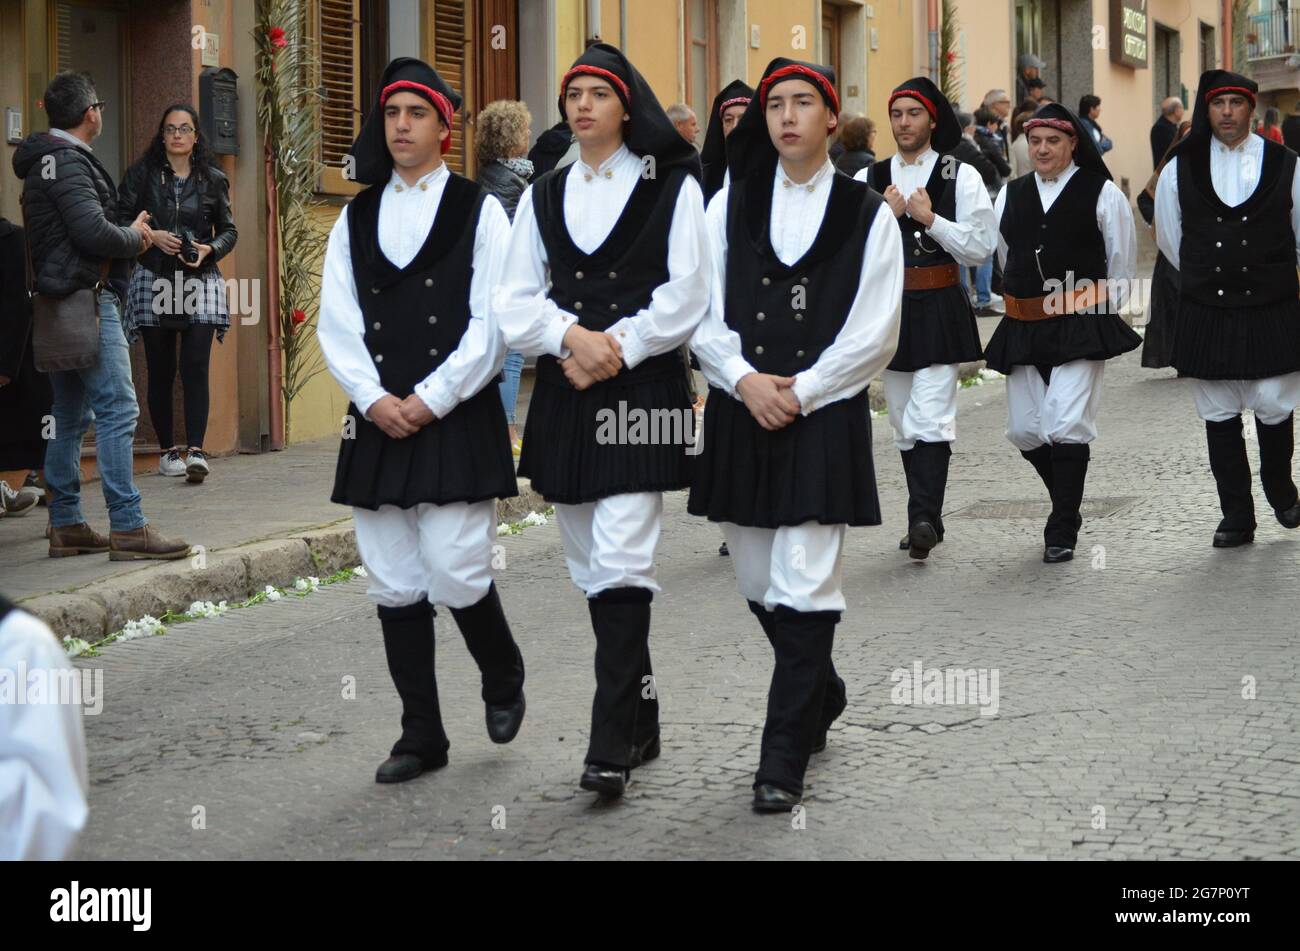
x=1214, y=82
x=648, y=131
x=714, y=154
x=947, y=131
x=1086, y=153
x=750, y=147
x=374, y=163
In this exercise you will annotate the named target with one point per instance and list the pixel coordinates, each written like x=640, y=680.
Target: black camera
x=188, y=252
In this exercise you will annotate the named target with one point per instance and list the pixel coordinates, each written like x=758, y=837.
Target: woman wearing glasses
x=177, y=297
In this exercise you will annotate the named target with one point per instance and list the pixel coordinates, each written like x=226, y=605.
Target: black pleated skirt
x=463, y=457
x=1162, y=316
x=1058, y=340
x=1215, y=343
x=569, y=455
x=817, y=469
x=938, y=326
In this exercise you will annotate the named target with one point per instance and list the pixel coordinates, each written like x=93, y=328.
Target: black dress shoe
x=769, y=798
x=921, y=538
x=1290, y=518
x=606, y=781
x=1054, y=554
x=504, y=719
x=819, y=743
x=1232, y=539
x=404, y=766
x=723, y=550
x=645, y=752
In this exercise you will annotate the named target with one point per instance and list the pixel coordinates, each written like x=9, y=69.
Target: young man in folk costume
x=946, y=222
x=606, y=278
x=1067, y=245
x=807, y=288
x=406, y=329
x=728, y=106
x=1228, y=218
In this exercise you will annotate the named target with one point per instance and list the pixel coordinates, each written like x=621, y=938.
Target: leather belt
x=1086, y=298
x=931, y=278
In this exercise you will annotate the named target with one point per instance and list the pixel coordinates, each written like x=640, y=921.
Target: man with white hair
x=1165, y=128
x=684, y=120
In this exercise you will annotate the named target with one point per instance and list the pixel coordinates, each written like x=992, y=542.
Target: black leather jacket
x=201, y=205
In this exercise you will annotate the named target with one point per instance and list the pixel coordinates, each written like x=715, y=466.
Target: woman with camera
x=177, y=295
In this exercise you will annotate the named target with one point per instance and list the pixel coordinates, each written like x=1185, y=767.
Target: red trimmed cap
x=440, y=102
x=611, y=78
x=1061, y=125
x=738, y=101
x=1222, y=90
x=797, y=69
x=913, y=94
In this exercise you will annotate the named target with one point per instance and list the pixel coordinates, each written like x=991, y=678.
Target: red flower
x=952, y=57
x=299, y=316
x=276, y=36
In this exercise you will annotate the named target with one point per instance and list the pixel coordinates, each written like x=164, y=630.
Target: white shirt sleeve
x=1115, y=219
x=972, y=237
x=1169, y=213
x=530, y=321
x=714, y=344
x=481, y=351
x=340, y=330
x=999, y=208
x=43, y=776
x=867, y=341
x=677, y=305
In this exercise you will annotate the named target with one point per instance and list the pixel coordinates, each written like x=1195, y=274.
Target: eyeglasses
x=178, y=130
x=98, y=105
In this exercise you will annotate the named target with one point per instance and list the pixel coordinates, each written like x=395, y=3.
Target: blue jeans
x=105, y=394
x=984, y=283
x=514, y=365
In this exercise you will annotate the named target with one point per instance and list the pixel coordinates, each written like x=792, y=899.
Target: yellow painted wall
x=319, y=408
x=892, y=62
x=987, y=53
x=777, y=21
x=653, y=31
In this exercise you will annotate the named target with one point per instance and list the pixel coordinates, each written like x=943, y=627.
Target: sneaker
x=20, y=502
x=170, y=464
x=196, y=466
x=37, y=482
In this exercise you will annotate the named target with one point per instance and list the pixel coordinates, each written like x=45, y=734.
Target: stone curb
x=231, y=574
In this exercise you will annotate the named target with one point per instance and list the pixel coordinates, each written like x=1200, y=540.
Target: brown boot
x=144, y=543
x=77, y=539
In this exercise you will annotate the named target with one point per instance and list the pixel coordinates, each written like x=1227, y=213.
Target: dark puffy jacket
x=202, y=206
x=852, y=162
x=500, y=181
x=973, y=155
x=71, y=206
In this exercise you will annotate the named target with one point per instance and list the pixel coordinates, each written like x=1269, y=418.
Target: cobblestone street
x=1151, y=686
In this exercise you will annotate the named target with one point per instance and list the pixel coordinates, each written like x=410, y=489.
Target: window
x=449, y=24
x=338, y=34
x=1209, y=55
x=701, y=32
x=1029, y=27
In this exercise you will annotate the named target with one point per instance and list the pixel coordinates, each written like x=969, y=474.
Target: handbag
x=65, y=330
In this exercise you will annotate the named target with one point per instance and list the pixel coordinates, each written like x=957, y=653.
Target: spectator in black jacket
x=1166, y=126
x=71, y=205
x=188, y=201
x=858, y=136
x=501, y=143
x=24, y=392
x=551, y=148
x=969, y=152
x=987, y=138
x=1291, y=130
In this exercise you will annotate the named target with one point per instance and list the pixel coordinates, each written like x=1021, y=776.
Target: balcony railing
x=1273, y=34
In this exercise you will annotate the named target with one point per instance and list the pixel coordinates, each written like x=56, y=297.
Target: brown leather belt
x=1086, y=298
x=931, y=278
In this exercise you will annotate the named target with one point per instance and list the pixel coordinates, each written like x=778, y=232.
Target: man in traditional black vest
x=728, y=106
x=808, y=281
x=1068, y=250
x=407, y=331
x=606, y=277
x=1228, y=217
x=946, y=222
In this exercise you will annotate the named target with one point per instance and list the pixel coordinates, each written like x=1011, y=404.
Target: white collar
x=811, y=185
x=1243, y=146
x=65, y=134
x=424, y=183
x=1061, y=178
x=606, y=168
x=921, y=159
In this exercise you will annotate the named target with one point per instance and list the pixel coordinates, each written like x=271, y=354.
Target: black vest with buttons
x=1050, y=246
x=1238, y=311
x=787, y=315
x=1244, y=256
x=414, y=319
x=415, y=316
x=618, y=279
x=919, y=249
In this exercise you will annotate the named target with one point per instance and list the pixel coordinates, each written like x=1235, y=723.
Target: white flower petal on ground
x=503, y=529
x=360, y=572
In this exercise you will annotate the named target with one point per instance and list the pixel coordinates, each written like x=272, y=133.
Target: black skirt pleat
x=1058, y=340
x=938, y=326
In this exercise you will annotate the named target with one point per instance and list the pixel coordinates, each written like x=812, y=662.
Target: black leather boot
x=905, y=542
x=802, y=644
x=408, y=644
x=1069, y=473
x=1276, y=447
x=927, y=481
x=835, y=699
x=1231, y=468
x=620, y=618
x=501, y=665
x=1040, y=458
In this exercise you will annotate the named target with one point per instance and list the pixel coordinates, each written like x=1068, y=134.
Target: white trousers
x=611, y=543
x=1063, y=411
x=922, y=404
x=1271, y=399
x=442, y=552
x=796, y=565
